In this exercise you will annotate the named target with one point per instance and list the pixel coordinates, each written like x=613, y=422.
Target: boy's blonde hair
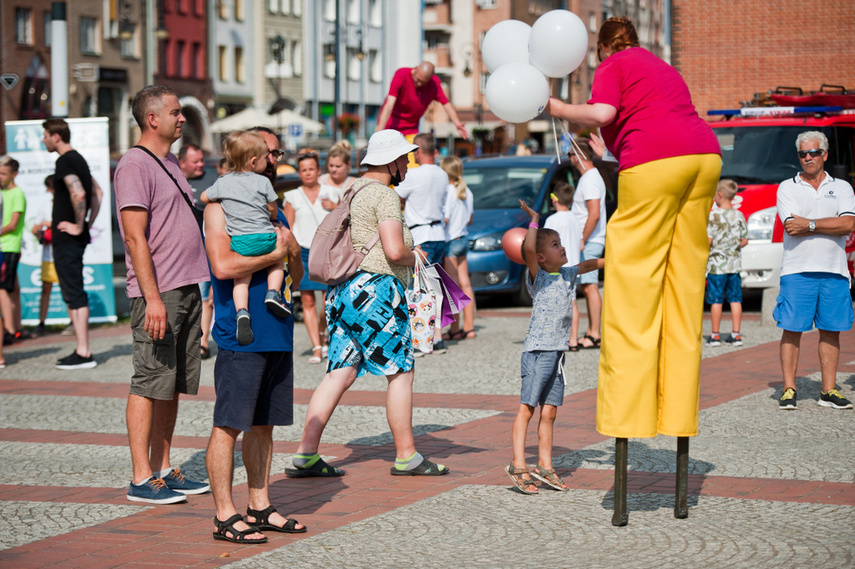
x=727, y=188
x=240, y=147
x=453, y=166
x=542, y=235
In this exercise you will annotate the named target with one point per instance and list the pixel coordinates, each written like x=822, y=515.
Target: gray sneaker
x=273, y=302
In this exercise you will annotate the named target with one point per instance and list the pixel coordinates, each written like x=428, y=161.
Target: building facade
x=375, y=37
x=232, y=63
x=279, y=86
x=760, y=46
x=104, y=55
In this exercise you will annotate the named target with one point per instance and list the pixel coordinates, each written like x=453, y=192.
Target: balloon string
x=555, y=136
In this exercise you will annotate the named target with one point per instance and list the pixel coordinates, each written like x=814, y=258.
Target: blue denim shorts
x=435, y=251
x=457, y=247
x=542, y=378
x=592, y=251
x=720, y=286
x=808, y=299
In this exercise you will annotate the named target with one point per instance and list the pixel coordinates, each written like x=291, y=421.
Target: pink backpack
x=332, y=258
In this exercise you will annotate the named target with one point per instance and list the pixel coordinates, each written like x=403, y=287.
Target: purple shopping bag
x=453, y=298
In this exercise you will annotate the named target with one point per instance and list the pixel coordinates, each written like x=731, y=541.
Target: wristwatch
x=812, y=226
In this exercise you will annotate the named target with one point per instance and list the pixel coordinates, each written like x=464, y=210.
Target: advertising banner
x=90, y=137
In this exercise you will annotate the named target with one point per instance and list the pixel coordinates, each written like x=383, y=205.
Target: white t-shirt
x=567, y=226
x=591, y=187
x=308, y=215
x=424, y=189
x=815, y=253
x=326, y=180
x=458, y=213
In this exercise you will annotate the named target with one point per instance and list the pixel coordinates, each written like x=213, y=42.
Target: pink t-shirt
x=655, y=115
x=411, y=103
x=177, y=251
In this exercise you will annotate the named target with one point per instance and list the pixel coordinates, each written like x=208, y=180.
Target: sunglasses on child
x=813, y=153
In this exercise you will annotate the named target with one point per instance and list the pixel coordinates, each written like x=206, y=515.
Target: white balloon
x=558, y=43
x=517, y=92
x=506, y=42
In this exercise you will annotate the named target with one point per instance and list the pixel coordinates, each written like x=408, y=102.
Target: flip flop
x=318, y=468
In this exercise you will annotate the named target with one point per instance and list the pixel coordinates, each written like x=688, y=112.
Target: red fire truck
x=758, y=146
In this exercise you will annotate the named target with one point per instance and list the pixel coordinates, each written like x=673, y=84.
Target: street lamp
x=160, y=32
x=126, y=26
x=277, y=53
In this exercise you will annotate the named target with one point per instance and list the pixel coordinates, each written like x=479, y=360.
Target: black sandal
x=425, y=468
x=595, y=343
x=238, y=536
x=262, y=521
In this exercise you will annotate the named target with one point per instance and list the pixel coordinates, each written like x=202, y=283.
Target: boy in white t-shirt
x=566, y=224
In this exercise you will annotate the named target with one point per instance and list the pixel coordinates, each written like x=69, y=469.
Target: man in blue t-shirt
x=254, y=383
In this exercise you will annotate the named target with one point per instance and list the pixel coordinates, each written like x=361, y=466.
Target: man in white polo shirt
x=422, y=194
x=818, y=212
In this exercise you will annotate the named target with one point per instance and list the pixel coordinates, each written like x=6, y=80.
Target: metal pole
x=337, y=68
x=681, y=499
x=58, y=60
x=620, y=517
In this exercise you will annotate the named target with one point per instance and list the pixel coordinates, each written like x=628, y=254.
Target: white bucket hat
x=386, y=146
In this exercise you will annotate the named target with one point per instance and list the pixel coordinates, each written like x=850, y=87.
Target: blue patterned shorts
x=369, y=325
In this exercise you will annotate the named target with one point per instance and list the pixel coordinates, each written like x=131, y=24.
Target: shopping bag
x=453, y=297
x=452, y=290
x=422, y=307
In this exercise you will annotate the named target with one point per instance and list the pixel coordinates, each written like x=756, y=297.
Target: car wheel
x=521, y=297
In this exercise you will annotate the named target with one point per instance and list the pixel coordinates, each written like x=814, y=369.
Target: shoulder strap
x=168, y=173
x=376, y=237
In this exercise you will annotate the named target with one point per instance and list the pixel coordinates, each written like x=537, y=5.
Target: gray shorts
x=173, y=364
x=542, y=378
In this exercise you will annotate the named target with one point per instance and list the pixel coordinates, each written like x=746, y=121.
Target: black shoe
x=834, y=400
x=39, y=330
x=788, y=399
x=8, y=339
x=244, y=328
x=76, y=361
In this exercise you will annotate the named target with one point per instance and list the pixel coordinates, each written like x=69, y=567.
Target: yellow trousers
x=653, y=300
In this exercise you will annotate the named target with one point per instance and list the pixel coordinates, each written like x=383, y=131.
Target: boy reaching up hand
x=553, y=289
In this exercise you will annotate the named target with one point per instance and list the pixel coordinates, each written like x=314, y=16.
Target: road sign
x=9, y=80
x=295, y=130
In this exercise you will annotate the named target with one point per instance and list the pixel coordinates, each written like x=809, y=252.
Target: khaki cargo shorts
x=172, y=364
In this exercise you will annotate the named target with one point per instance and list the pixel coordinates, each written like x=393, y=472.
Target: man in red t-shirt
x=411, y=92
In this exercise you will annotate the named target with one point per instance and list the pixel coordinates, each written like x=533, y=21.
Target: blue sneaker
x=154, y=491
x=176, y=481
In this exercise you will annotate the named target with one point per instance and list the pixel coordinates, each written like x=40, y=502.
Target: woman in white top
x=458, y=215
x=305, y=208
x=338, y=167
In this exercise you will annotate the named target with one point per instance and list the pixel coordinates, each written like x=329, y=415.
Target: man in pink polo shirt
x=411, y=92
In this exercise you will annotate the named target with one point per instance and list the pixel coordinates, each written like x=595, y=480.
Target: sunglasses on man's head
x=813, y=153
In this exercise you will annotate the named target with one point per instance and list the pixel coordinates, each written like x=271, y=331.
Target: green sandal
x=317, y=468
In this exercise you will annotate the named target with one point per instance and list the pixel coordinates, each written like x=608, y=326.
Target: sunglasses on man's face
x=277, y=155
x=813, y=153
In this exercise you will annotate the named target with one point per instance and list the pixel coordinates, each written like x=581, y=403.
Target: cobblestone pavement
x=765, y=487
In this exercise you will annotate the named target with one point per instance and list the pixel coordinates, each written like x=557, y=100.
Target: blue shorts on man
x=799, y=308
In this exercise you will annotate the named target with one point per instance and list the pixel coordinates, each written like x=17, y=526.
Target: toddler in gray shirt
x=249, y=205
